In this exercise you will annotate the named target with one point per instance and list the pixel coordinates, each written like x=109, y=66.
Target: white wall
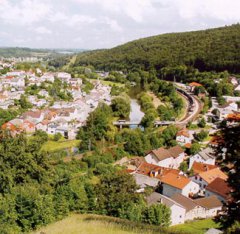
x=198, y=158
x=177, y=214
x=191, y=187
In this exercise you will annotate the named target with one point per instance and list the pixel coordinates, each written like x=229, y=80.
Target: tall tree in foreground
x=231, y=140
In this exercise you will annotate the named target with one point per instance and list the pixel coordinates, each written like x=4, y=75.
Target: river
x=136, y=114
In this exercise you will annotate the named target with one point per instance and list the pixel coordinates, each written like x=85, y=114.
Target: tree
x=116, y=192
x=184, y=167
x=121, y=107
x=202, y=123
x=201, y=135
x=195, y=148
x=231, y=141
x=158, y=214
x=57, y=136
x=24, y=103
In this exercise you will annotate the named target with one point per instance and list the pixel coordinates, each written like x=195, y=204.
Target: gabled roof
x=195, y=84
x=163, y=153
x=207, y=153
x=184, y=132
x=175, y=180
x=186, y=202
x=199, y=167
x=208, y=202
x=143, y=180
x=156, y=198
x=211, y=175
x=150, y=170
x=220, y=187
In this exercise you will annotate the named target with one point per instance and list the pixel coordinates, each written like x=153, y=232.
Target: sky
x=92, y=24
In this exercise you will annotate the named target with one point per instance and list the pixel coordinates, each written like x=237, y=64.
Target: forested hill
x=213, y=49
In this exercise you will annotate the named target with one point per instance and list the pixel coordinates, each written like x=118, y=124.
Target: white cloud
x=42, y=30
x=79, y=19
x=135, y=9
x=114, y=25
x=218, y=9
x=25, y=12
x=57, y=16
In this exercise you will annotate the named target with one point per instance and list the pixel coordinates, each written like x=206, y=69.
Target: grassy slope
x=60, y=145
x=196, y=227
x=93, y=224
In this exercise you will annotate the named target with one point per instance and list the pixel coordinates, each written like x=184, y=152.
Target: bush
x=57, y=136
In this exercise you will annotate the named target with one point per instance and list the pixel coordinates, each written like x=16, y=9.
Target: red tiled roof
x=151, y=170
x=183, y=132
x=174, y=180
x=195, y=84
x=163, y=153
x=220, y=187
x=202, y=167
x=211, y=175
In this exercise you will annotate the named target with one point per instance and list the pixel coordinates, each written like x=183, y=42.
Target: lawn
x=196, y=227
x=95, y=224
x=60, y=145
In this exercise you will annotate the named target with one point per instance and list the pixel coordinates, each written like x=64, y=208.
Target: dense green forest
x=213, y=49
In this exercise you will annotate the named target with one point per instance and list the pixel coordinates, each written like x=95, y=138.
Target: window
x=200, y=179
x=195, y=177
x=204, y=186
x=180, y=216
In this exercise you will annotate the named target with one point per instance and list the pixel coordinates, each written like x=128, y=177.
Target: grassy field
x=196, y=227
x=60, y=145
x=94, y=224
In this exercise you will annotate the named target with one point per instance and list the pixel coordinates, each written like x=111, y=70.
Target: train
x=189, y=98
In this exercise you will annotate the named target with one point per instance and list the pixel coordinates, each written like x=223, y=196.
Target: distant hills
x=213, y=49
x=7, y=52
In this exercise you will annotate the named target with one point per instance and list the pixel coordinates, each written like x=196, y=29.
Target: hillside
x=213, y=49
x=94, y=224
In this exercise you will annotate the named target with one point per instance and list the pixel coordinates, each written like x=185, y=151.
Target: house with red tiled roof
x=207, y=176
x=171, y=158
x=17, y=126
x=184, y=137
x=176, y=183
x=193, y=85
x=220, y=188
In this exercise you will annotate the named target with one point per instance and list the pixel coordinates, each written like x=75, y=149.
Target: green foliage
x=213, y=49
x=195, y=148
x=184, y=167
x=121, y=107
x=202, y=123
x=96, y=128
x=57, y=136
x=7, y=115
x=158, y=214
x=23, y=103
x=116, y=192
x=201, y=135
x=88, y=86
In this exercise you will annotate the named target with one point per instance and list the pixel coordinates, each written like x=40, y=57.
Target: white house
x=193, y=210
x=177, y=210
x=64, y=77
x=203, y=179
x=171, y=158
x=207, y=156
x=47, y=77
x=75, y=81
x=184, y=137
x=198, y=208
x=174, y=183
x=211, y=204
